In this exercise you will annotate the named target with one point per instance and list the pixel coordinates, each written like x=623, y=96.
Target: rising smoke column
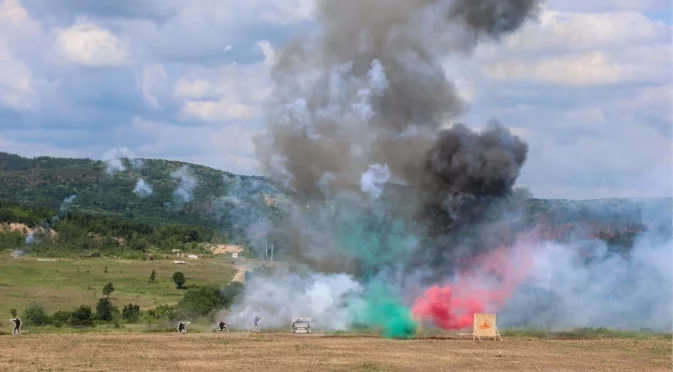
x=363, y=103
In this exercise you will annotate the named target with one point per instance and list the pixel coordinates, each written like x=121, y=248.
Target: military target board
x=485, y=326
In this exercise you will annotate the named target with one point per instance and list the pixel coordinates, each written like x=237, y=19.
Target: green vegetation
x=58, y=285
x=179, y=279
x=109, y=288
x=43, y=184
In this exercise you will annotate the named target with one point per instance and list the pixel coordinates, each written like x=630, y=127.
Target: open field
x=284, y=352
x=67, y=283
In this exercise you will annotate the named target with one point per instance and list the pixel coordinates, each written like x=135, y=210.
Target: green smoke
x=383, y=309
x=376, y=240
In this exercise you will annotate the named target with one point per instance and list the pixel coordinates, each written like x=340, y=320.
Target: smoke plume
x=363, y=105
x=283, y=296
x=187, y=183
x=65, y=207
x=142, y=189
x=114, y=160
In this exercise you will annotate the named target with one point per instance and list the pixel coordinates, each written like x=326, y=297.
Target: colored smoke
x=485, y=284
x=362, y=133
x=385, y=310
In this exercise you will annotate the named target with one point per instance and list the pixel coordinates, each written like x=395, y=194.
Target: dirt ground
x=285, y=352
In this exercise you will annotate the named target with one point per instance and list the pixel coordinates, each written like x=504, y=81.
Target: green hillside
x=47, y=182
x=222, y=207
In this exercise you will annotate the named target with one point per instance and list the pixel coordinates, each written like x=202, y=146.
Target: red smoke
x=486, y=286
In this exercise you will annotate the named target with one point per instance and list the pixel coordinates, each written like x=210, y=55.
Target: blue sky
x=588, y=86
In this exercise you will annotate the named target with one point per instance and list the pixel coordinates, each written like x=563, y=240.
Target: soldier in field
x=17, y=326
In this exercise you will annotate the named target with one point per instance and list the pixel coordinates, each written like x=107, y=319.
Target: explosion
x=385, y=185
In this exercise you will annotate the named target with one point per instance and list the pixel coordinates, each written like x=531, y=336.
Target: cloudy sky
x=588, y=86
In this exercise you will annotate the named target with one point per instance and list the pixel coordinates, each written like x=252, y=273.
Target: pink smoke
x=485, y=286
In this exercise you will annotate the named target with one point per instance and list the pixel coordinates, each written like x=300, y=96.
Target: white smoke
x=65, y=206
x=30, y=238
x=188, y=182
x=280, y=298
x=613, y=290
x=373, y=180
x=143, y=189
x=113, y=158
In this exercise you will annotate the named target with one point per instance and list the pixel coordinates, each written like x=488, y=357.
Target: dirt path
x=240, y=275
x=285, y=352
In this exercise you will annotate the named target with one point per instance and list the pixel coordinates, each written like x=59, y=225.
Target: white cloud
x=570, y=31
x=16, y=90
x=192, y=88
x=609, y=5
x=90, y=45
x=227, y=147
x=287, y=11
x=583, y=49
x=233, y=92
x=153, y=83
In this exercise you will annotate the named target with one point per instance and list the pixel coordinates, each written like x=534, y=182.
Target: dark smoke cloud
x=368, y=93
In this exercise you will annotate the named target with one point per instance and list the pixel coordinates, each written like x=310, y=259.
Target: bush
x=131, y=313
x=60, y=318
x=34, y=315
x=161, y=312
x=201, y=300
x=179, y=279
x=230, y=293
x=105, y=309
x=81, y=316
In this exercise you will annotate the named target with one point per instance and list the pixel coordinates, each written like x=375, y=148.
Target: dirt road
x=284, y=352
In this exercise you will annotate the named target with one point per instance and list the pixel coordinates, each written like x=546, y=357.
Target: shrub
x=105, y=309
x=131, y=313
x=179, y=279
x=81, y=316
x=34, y=315
x=161, y=312
x=201, y=300
x=60, y=318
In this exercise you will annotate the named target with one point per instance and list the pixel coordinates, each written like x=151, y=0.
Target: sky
x=587, y=86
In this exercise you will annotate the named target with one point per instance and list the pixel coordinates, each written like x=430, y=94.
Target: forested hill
x=181, y=193
x=114, y=197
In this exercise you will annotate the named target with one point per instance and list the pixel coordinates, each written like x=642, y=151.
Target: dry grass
x=285, y=352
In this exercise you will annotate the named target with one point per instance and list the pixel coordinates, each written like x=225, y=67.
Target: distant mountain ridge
x=104, y=189
x=108, y=188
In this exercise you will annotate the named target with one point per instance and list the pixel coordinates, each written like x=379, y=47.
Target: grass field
x=68, y=283
x=285, y=352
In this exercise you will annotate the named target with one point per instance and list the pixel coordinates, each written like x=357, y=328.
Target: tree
x=179, y=279
x=81, y=316
x=153, y=276
x=131, y=312
x=108, y=289
x=104, y=309
x=34, y=315
x=201, y=300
